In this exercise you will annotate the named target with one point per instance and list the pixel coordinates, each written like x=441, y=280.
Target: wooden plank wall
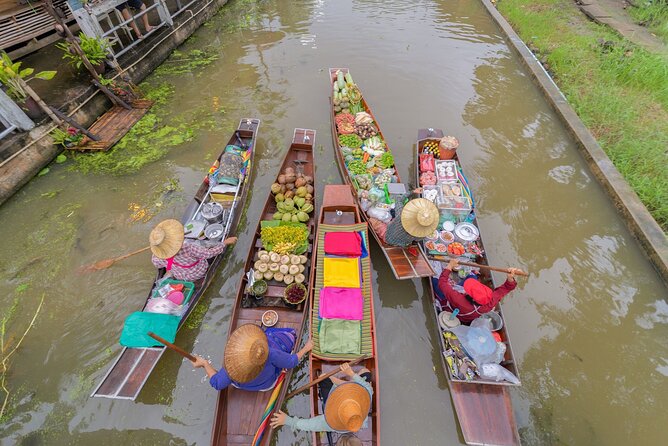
x=22, y=23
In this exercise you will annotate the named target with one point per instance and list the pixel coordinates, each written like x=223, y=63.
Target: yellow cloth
x=341, y=272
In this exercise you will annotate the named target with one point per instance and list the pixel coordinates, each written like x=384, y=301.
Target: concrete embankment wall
x=641, y=223
x=26, y=163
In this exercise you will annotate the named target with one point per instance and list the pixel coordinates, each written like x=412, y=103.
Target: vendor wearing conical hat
x=184, y=259
x=477, y=298
x=413, y=221
x=347, y=405
x=254, y=358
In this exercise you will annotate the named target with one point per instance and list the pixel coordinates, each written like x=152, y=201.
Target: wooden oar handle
x=325, y=376
x=477, y=265
x=176, y=348
x=146, y=248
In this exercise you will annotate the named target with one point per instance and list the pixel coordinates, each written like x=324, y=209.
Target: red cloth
x=467, y=310
x=482, y=294
x=348, y=244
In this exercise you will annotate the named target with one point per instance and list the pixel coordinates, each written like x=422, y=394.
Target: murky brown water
x=589, y=327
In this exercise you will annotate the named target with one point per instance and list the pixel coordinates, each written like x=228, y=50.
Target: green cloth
x=139, y=323
x=340, y=336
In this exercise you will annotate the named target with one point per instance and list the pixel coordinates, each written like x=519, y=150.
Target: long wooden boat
x=405, y=263
x=239, y=412
x=129, y=372
x=340, y=213
x=483, y=406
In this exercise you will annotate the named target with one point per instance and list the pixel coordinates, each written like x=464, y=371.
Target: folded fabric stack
x=341, y=301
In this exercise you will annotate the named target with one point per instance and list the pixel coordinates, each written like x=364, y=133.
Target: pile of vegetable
x=367, y=158
x=293, y=193
x=284, y=239
x=284, y=268
x=352, y=141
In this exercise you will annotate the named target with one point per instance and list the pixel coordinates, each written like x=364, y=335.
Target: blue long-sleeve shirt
x=277, y=360
x=319, y=424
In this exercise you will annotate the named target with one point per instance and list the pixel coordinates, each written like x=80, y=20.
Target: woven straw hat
x=420, y=217
x=347, y=407
x=246, y=353
x=166, y=238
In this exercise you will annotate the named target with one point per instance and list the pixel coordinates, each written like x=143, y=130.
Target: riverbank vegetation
x=618, y=89
x=653, y=14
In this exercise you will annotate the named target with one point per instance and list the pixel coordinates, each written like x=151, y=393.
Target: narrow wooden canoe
x=404, y=263
x=238, y=412
x=129, y=372
x=483, y=406
x=339, y=212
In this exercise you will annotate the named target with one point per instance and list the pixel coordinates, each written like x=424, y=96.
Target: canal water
x=589, y=326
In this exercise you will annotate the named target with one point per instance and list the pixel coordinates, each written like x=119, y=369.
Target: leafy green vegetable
x=273, y=235
x=386, y=160
x=357, y=167
x=352, y=141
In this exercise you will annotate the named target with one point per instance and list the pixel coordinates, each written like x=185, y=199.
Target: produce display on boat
x=273, y=291
x=475, y=352
x=282, y=258
x=368, y=161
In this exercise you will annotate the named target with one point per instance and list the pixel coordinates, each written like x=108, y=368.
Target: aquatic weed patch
x=186, y=62
x=150, y=138
x=618, y=90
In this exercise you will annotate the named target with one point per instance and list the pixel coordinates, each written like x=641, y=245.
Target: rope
x=24, y=148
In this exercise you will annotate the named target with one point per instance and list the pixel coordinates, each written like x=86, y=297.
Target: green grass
x=618, y=89
x=653, y=14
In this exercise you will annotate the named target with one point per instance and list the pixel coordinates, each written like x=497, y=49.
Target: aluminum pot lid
x=467, y=232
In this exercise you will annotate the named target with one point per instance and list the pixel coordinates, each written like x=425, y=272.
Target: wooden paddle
x=106, y=263
x=477, y=265
x=169, y=345
x=325, y=376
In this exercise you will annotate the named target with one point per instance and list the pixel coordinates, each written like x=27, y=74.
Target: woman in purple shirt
x=254, y=358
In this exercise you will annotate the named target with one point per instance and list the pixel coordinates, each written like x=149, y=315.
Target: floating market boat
x=340, y=213
x=129, y=372
x=483, y=406
x=239, y=414
x=369, y=168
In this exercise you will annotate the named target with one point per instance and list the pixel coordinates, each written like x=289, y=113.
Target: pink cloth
x=342, y=303
x=348, y=244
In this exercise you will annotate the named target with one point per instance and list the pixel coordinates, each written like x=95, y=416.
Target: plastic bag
x=163, y=306
x=381, y=212
x=497, y=373
x=427, y=162
x=386, y=176
x=345, y=151
x=376, y=194
x=478, y=342
x=364, y=181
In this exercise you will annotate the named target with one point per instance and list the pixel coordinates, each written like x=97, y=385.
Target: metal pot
x=214, y=232
x=212, y=212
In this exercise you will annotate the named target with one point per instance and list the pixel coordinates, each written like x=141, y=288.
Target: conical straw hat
x=347, y=407
x=166, y=238
x=246, y=353
x=420, y=217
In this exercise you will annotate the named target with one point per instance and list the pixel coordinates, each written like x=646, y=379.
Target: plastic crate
x=188, y=289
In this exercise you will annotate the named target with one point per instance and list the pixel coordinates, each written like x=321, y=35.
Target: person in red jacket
x=479, y=299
